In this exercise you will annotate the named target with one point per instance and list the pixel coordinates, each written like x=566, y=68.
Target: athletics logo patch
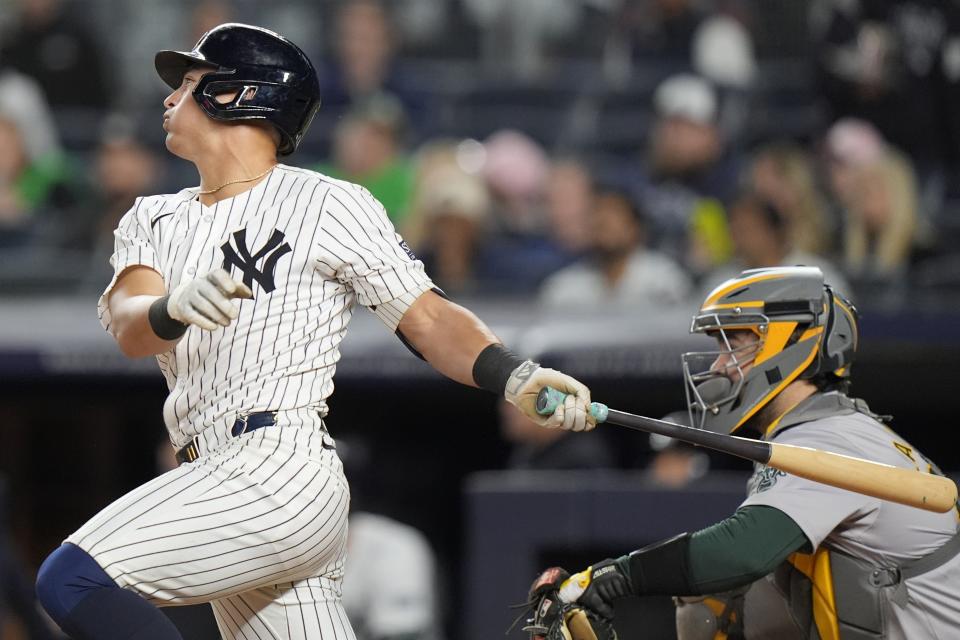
x=247, y=262
x=766, y=479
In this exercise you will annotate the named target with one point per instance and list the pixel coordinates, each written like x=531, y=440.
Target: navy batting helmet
x=273, y=79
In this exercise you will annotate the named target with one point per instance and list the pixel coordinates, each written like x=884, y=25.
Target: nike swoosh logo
x=158, y=218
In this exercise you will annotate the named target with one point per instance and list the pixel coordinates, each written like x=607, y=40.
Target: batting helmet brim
x=172, y=65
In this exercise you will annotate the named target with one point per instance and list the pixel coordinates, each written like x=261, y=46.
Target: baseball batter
x=798, y=559
x=243, y=288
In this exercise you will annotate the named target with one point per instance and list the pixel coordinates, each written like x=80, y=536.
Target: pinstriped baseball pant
x=257, y=528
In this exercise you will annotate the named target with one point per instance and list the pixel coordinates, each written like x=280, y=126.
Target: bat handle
x=549, y=399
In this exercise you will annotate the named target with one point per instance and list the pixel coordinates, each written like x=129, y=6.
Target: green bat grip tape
x=549, y=399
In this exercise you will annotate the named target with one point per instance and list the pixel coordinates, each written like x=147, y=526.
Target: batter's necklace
x=225, y=184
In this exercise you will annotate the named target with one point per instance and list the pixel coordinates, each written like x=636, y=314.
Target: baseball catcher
x=798, y=559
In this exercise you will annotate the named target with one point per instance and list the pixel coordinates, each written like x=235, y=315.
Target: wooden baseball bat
x=884, y=481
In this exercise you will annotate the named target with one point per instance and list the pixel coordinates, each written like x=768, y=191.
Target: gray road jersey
x=875, y=530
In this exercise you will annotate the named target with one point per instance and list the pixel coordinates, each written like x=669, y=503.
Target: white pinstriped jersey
x=310, y=247
x=257, y=524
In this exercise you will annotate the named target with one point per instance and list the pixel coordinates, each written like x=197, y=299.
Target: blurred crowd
x=640, y=150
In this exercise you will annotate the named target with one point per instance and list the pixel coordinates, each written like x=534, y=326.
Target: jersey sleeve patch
x=360, y=246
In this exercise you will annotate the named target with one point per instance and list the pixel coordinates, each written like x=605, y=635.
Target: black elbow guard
x=662, y=568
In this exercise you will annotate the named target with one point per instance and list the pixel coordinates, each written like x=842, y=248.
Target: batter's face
x=183, y=120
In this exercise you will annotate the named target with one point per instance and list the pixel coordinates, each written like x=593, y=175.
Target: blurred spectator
x=714, y=43
x=515, y=34
x=207, y=14
x=23, y=102
x=688, y=176
x=17, y=595
x=422, y=23
x=27, y=187
x=15, y=219
x=569, y=196
x=516, y=169
x=849, y=145
x=389, y=586
x=710, y=39
x=876, y=192
x=894, y=63
x=761, y=237
x=453, y=207
x=783, y=174
x=123, y=170
x=391, y=579
x=438, y=155
x=368, y=150
x=534, y=447
x=364, y=63
x=519, y=253
x=675, y=463
x=881, y=220
x=477, y=216
x=58, y=52
x=619, y=270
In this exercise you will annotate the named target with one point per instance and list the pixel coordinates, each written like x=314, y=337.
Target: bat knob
x=549, y=399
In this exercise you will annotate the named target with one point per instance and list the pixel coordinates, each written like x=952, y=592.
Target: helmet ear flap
x=839, y=336
x=826, y=355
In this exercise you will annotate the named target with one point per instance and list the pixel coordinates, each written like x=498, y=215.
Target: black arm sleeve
x=737, y=551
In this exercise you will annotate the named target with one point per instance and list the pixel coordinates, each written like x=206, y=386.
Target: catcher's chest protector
x=834, y=596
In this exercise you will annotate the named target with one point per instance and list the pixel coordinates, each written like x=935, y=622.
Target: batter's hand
x=525, y=383
x=205, y=301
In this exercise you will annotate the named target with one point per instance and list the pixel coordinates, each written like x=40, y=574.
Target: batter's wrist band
x=162, y=324
x=662, y=568
x=493, y=367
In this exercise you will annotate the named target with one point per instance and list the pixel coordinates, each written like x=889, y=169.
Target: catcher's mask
x=272, y=79
x=803, y=330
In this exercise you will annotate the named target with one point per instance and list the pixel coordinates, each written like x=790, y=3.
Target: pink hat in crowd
x=854, y=142
x=516, y=166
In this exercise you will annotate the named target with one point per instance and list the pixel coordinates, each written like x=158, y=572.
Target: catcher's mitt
x=554, y=619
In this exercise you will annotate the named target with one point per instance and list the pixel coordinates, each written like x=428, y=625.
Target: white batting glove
x=206, y=301
x=529, y=378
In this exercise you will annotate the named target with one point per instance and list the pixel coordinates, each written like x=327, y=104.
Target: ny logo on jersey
x=247, y=262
